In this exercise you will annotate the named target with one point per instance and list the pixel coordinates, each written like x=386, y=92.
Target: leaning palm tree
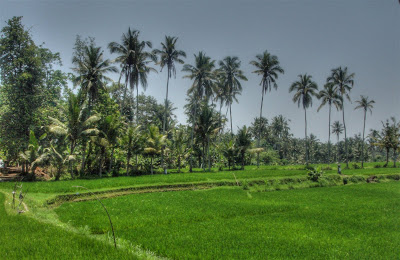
x=366, y=105
x=304, y=89
x=343, y=82
x=169, y=55
x=329, y=96
x=230, y=74
x=203, y=76
x=91, y=69
x=337, y=128
x=268, y=67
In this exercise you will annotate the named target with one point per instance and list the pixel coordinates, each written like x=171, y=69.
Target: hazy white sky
x=308, y=36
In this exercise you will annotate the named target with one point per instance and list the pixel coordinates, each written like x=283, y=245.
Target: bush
x=314, y=175
x=309, y=168
x=378, y=166
x=356, y=166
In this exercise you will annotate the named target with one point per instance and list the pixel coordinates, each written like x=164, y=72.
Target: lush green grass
x=22, y=237
x=251, y=172
x=352, y=222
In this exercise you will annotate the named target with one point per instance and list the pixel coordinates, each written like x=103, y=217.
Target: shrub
x=314, y=175
x=309, y=168
x=356, y=166
x=378, y=166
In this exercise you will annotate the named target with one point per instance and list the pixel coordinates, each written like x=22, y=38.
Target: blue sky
x=309, y=36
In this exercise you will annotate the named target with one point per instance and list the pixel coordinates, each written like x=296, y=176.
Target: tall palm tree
x=329, y=96
x=268, y=67
x=343, y=82
x=203, y=76
x=337, y=128
x=91, y=69
x=243, y=142
x=230, y=73
x=304, y=89
x=366, y=105
x=126, y=58
x=169, y=55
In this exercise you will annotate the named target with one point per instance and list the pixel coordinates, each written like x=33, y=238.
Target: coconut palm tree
x=203, y=76
x=77, y=127
x=329, y=96
x=268, y=67
x=243, y=142
x=337, y=128
x=91, y=68
x=169, y=55
x=126, y=59
x=230, y=75
x=35, y=155
x=304, y=89
x=154, y=143
x=179, y=147
x=343, y=82
x=366, y=105
x=132, y=142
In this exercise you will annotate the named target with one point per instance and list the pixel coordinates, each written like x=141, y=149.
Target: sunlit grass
x=356, y=222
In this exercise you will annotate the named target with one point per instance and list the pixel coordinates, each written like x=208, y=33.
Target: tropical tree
x=35, y=155
x=91, y=69
x=329, y=96
x=126, y=59
x=366, y=105
x=343, y=82
x=207, y=126
x=268, y=67
x=203, y=76
x=230, y=76
x=169, y=55
x=132, y=143
x=154, y=143
x=59, y=157
x=337, y=128
x=304, y=89
x=77, y=127
x=243, y=143
x=179, y=148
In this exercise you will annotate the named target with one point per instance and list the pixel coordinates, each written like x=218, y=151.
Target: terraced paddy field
x=266, y=213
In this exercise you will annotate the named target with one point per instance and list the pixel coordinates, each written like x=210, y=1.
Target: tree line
x=105, y=127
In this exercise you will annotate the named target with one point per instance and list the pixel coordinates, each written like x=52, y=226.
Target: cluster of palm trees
x=211, y=85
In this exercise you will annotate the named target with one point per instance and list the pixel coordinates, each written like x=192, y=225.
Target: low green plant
x=356, y=166
x=315, y=175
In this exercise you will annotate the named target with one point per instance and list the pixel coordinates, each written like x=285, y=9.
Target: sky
x=307, y=36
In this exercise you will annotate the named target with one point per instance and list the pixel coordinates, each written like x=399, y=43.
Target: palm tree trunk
x=127, y=163
x=164, y=121
x=179, y=165
x=83, y=159
x=204, y=156
x=305, y=120
x=387, y=156
x=345, y=138
x=111, y=160
x=338, y=149
x=259, y=133
x=208, y=154
x=329, y=135
x=230, y=112
x=191, y=138
x=362, y=145
x=137, y=104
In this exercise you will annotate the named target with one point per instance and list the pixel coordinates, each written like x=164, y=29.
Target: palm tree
x=343, y=82
x=305, y=89
x=169, y=55
x=337, y=128
x=268, y=67
x=35, y=155
x=77, y=127
x=231, y=75
x=243, y=142
x=91, y=69
x=126, y=58
x=329, y=96
x=366, y=105
x=132, y=142
x=179, y=147
x=203, y=76
x=154, y=143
